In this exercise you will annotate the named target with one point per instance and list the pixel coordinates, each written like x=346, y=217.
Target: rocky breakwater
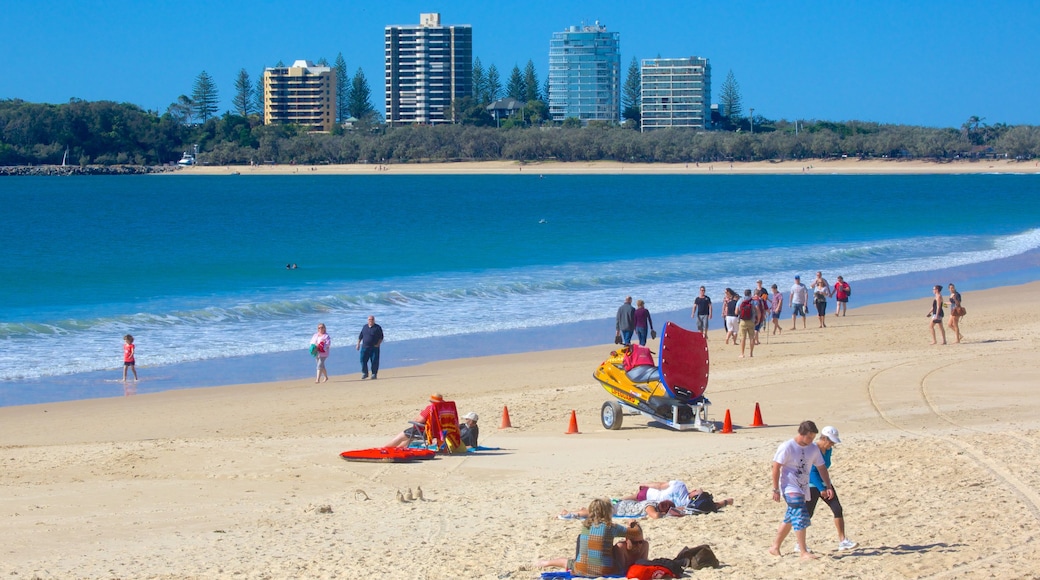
x=85, y=169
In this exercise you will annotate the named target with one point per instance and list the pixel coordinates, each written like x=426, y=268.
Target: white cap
x=830, y=433
x=471, y=416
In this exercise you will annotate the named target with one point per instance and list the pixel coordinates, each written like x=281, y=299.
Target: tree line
x=107, y=133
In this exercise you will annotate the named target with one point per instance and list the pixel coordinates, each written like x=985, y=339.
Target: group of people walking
x=633, y=321
x=368, y=342
x=937, y=314
x=745, y=317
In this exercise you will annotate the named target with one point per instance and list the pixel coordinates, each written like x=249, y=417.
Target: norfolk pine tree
x=243, y=101
x=531, y=83
x=494, y=85
x=632, y=97
x=359, y=105
x=342, y=88
x=205, y=97
x=258, y=96
x=729, y=99
x=479, y=82
x=516, y=88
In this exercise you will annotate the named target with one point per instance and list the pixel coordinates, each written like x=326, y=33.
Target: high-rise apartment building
x=427, y=67
x=585, y=74
x=301, y=94
x=676, y=92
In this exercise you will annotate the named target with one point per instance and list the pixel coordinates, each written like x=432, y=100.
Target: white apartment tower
x=585, y=74
x=676, y=92
x=427, y=67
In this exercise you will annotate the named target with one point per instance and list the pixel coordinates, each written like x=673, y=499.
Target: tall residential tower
x=301, y=94
x=427, y=67
x=676, y=92
x=585, y=74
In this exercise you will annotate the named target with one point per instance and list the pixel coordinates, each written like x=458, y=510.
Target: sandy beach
x=847, y=166
x=937, y=471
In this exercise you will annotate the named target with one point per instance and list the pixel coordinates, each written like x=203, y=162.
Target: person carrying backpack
x=842, y=292
x=750, y=314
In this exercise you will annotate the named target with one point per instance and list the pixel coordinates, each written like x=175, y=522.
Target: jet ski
x=671, y=393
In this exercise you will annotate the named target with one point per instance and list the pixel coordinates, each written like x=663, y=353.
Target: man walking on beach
x=626, y=322
x=750, y=314
x=702, y=311
x=799, y=302
x=369, y=339
x=792, y=463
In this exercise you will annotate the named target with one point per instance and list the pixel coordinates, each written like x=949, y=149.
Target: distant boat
x=186, y=160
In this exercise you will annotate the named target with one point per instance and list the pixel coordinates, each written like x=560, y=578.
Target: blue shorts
x=797, y=514
x=799, y=310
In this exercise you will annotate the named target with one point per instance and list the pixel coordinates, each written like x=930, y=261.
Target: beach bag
x=958, y=311
x=314, y=350
x=704, y=503
x=848, y=291
x=747, y=310
x=647, y=570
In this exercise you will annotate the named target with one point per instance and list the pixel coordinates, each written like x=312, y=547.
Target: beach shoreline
x=292, y=365
x=246, y=480
x=846, y=166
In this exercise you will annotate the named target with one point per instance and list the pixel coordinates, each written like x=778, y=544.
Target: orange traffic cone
x=573, y=427
x=727, y=425
x=758, y=417
x=505, y=418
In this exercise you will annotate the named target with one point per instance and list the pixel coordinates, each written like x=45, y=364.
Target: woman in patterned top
x=597, y=553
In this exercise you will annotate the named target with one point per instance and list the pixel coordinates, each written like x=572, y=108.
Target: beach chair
x=441, y=430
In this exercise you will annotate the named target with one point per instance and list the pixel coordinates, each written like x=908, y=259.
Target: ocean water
x=195, y=266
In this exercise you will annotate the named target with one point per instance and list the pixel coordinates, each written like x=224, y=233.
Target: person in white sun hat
x=828, y=439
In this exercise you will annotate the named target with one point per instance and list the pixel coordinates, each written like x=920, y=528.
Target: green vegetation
x=108, y=133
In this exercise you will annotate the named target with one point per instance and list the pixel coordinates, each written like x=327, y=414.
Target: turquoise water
x=195, y=267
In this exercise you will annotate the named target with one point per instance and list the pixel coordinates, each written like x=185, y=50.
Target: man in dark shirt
x=702, y=311
x=369, y=339
x=626, y=323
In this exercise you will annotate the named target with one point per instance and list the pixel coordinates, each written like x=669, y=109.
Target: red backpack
x=746, y=310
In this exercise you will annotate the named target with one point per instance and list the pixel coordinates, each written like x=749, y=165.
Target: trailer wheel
x=610, y=415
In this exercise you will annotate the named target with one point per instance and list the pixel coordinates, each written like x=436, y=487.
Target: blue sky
x=931, y=63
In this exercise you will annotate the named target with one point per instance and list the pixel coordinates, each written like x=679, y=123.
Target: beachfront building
x=427, y=67
x=585, y=74
x=302, y=94
x=676, y=92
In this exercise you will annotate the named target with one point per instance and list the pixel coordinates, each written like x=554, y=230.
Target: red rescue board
x=388, y=454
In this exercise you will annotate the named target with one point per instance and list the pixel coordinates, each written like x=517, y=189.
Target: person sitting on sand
x=597, y=553
x=469, y=430
x=415, y=432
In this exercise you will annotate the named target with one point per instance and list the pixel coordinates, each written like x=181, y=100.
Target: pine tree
x=359, y=105
x=205, y=97
x=258, y=96
x=631, y=96
x=479, y=82
x=494, y=85
x=531, y=83
x=729, y=98
x=516, y=88
x=243, y=101
x=342, y=88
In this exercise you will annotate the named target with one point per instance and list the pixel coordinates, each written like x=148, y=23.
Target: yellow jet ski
x=671, y=393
